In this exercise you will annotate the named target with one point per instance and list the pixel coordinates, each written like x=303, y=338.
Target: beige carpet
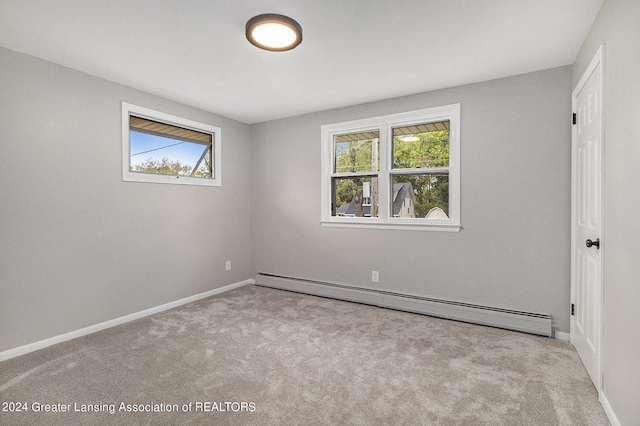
x=262, y=356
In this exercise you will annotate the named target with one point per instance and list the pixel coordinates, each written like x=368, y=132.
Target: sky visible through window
x=145, y=146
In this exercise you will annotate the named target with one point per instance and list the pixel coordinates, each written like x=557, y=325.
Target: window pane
x=355, y=197
x=169, y=150
x=420, y=196
x=421, y=145
x=357, y=152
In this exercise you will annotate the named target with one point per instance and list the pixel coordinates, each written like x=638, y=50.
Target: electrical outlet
x=227, y=266
x=375, y=276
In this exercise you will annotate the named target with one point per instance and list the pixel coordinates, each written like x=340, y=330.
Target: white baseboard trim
x=527, y=322
x=561, y=335
x=31, y=347
x=608, y=410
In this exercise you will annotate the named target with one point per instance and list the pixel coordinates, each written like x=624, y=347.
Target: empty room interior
x=401, y=212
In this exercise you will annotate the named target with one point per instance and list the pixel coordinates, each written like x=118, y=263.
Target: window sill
x=402, y=226
x=168, y=179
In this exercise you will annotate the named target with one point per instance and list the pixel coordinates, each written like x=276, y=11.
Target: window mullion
x=384, y=177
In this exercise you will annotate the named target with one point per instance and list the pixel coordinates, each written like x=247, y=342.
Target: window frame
x=150, y=114
x=385, y=124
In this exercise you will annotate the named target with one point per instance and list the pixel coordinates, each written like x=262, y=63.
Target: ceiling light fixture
x=273, y=32
x=410, y=138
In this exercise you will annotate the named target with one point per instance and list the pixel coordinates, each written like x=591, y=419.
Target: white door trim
x=597, y=61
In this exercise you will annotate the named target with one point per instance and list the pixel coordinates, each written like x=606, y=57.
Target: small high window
x=161, y=148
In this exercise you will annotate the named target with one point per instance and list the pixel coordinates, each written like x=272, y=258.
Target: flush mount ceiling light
x=273, y=32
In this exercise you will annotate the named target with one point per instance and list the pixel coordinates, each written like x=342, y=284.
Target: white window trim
x=138, y=111
x=385, y=124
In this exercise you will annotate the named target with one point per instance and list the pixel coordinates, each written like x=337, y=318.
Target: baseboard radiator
x=527, y=322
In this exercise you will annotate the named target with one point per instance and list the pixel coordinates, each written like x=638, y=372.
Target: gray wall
x=514, y=249
x=77, y=245
x=617, y=26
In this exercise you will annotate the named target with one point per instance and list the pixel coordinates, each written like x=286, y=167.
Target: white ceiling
x=353, y=51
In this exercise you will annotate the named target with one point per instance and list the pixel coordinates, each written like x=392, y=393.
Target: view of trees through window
x=169, y=150
x=424, y=146
x=356, y=152
x=165, y=166
x=420, y=156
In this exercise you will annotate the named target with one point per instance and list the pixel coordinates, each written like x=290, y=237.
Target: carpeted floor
x=262, y=356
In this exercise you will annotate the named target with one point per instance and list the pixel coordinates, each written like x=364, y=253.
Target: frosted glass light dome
x=273, y=32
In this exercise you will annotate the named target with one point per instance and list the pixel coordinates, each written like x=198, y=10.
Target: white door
x=587, y=238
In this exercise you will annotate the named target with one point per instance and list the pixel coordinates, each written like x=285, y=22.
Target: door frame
x=597, y=61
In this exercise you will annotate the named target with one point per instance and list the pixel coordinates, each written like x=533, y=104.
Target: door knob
x=596, y=243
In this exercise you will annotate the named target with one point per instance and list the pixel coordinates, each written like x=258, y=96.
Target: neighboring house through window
x=397, y=171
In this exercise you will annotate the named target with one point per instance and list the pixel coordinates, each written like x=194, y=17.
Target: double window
x=162, y=148
x=396, y=171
